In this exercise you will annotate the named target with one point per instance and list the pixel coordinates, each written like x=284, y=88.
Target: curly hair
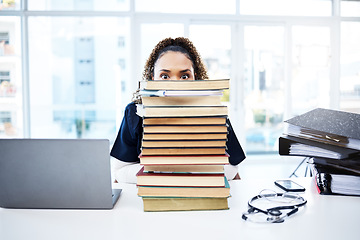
x=180, y=44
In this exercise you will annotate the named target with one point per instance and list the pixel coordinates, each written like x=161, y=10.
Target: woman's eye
x=185, y=76
x=164, y=76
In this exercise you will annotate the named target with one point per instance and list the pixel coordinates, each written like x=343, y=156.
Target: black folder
x=345, y=166
x=330, y=180
x=295, y=146
x=327, y=126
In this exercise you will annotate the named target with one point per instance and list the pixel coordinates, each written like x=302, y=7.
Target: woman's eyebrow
x=164, y=70
x=185, y=70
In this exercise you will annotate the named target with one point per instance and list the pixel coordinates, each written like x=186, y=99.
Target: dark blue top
x=127, y=146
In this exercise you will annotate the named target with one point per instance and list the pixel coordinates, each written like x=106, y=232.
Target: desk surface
x=324, y=217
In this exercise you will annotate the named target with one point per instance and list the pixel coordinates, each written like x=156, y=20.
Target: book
x=184, y=143
x=185, y=129
x=184, y=204
x=179, y=179
x=188, y=111
x=330, y=180
x=185, y=84
x=155, y=191
x=296, y=146
x=184, y=168
x=179, y=93
x=328, y=126
x=185, y=121
x=184, y=160
x=183, y=136
x=184, y=151
x=182, y=101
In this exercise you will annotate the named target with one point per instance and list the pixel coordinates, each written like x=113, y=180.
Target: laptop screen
x=55, y=173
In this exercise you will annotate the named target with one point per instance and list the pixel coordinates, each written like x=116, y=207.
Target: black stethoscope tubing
x=275, y=211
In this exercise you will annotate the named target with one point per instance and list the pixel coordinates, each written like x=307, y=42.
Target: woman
x=171, y=59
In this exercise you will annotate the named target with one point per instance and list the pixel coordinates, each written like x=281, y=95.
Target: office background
x=68, y=68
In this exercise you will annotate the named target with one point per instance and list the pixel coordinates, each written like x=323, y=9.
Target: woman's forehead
x=172, y=59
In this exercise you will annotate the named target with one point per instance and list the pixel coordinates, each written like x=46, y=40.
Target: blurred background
x=68, y=68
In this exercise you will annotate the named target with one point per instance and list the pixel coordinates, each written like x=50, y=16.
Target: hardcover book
x=185, y=121
x=154, y=191
x=188, y=111
x=179, y=179
x=184, y=143
x=183, y=136
x=207, y=169
x=184, y=204
x=185, y=129
x=180, y=93
x=184, y=151
x=186, y=160
x=182, y=101
x=185, y=84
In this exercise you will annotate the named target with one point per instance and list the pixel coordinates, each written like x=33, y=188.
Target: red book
x=184, y=160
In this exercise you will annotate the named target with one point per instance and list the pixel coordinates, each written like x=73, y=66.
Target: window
x=9, y=5
x=11, y=122
x=79, y=5
x=264, y=86
x=187, y=6
x=286, y=7
x=310, y=85
x=350, y=67
x=215, y=51
x=350, y=8
x=151, y=34
x=69, y=68
x=75, y=76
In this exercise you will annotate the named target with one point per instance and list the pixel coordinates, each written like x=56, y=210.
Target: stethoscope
x=275, y=214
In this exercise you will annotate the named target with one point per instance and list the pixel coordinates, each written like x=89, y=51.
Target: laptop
x=56, y=174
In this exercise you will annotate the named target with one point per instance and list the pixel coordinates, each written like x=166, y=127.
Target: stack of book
x=331, y=139
x=184, y=145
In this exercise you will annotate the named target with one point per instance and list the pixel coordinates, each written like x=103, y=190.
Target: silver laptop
x=56, y=173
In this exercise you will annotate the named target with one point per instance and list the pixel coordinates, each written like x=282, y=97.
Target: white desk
x=324, y=217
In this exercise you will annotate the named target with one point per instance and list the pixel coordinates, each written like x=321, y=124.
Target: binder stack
x=331, y=139
x=183, y=146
